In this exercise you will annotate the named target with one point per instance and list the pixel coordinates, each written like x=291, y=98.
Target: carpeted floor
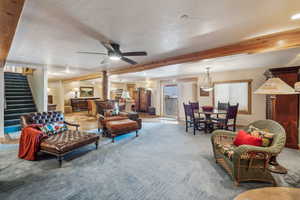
x=163, y=163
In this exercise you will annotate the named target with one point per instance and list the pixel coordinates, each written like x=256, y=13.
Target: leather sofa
x=61, y=143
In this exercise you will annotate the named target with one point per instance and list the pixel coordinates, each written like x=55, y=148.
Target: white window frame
x=247, y=111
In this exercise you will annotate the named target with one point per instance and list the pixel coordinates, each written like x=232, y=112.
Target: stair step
x=8, y=83
x=8, y=98
x=12, y=122
x=13, y=73
x=14, y=116
x=15, y=79
x=16, y=85
x=14, y=94
x=14, y=76
x=20, y=110
x=17, y=90
x=17, y=106
x=10, y=74
x=25, y=101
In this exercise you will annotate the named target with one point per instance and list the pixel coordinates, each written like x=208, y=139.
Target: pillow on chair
x=243, y=138
x=264, y=134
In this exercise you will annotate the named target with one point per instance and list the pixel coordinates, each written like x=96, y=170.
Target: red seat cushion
x=243, y=137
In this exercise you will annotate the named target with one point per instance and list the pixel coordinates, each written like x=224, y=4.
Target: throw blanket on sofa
x=30, y=142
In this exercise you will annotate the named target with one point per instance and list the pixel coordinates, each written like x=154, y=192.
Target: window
x=234, y=92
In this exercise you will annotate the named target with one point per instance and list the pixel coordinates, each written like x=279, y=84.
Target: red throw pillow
x=243, y=137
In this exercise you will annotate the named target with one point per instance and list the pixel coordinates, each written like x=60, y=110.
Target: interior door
x=170, y=101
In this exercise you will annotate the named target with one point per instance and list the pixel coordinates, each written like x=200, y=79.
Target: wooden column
x=104, y=85
x=10, y=12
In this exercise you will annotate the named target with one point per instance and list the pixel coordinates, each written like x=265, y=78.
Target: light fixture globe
x=207, y=84
x=114, y=56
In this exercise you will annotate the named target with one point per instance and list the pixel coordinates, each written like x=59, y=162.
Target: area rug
x=163, y=163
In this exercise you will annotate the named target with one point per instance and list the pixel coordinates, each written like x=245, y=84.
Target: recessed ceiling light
x=296, y=16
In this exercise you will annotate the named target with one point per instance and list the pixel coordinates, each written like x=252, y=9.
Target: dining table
x=208, y=117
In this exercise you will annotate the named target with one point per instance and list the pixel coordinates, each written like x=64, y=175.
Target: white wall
x=2, y=99
x=56, y=89
x=187, y=92
x=258, y=101
x=39, y=85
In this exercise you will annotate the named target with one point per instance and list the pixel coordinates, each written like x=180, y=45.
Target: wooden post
x=10, y=12
x=104, y=85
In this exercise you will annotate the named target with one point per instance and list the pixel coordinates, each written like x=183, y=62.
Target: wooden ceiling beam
x=83, y=78
x=266, y=43
x=10, y=12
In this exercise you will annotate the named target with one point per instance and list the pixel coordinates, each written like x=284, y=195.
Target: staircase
x=19, y=101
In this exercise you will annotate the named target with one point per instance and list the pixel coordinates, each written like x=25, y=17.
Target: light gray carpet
x=164, y=163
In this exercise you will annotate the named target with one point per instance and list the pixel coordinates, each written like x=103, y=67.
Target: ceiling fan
x=114, y=53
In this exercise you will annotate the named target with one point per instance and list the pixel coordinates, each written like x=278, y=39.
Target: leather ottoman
x=118, y=127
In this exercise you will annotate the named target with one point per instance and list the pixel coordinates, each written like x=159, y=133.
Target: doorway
x=170, y=101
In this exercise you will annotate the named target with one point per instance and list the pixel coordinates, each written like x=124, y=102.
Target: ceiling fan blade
x=85, y=52
x=128, y=60
x=137, y=53
x=107, y=46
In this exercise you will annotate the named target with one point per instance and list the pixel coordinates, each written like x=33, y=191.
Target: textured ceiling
x=52, y=31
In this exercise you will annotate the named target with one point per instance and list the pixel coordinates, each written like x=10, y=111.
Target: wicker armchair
x=246, y=162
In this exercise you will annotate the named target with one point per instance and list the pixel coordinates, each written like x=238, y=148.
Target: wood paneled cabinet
x=142, y=99
x=286, y=106
x=80, y=104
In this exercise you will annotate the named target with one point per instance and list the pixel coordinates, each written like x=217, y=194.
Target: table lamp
x=76, y=90
x=273, y=87
x=125, y=95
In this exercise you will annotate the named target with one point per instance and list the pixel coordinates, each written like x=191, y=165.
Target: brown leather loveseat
x=61, y=143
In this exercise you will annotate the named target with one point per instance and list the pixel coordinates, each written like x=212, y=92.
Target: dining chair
x=221, y=106
x=196, y=107
x=229, y=120
x=191, y=120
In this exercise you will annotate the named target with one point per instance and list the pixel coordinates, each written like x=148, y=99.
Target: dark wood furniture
x=51, y=107
x=50, y=99
x=142, y=99
x=230, y=118
x=208, y=113
x=286, y=111
x=192, y=121
x=80, y=104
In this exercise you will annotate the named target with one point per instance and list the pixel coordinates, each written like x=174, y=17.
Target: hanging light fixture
x=207, y=85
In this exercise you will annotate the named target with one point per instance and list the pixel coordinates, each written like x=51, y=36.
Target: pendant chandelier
x=207, y=84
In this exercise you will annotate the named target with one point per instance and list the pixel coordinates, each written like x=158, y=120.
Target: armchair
x=246, y=162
